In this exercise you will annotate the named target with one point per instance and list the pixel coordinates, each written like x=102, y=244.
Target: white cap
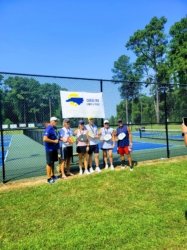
x=106, y=121
x=53, y=119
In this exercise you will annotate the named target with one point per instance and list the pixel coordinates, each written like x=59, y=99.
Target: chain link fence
x=153, y=112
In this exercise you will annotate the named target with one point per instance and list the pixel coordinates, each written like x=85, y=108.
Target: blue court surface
x=147, y=145
x=136, y=146
x=7, y=141
x=144, y=146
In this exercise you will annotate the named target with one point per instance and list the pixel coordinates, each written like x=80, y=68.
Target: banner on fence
x=82, y=104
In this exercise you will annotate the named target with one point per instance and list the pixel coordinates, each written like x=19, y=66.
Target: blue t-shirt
x=64, y=132
x=125, y=141
x=51, y=133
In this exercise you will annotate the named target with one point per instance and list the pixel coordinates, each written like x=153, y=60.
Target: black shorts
x=93, y=149
x=81, y=149
x=106, y=149
x=51, y=157
x=66, y=152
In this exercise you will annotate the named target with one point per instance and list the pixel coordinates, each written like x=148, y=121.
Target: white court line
x=8, y=148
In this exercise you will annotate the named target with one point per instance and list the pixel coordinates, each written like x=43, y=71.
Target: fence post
x=101, y=89
x=166, y=122
x=2, y=139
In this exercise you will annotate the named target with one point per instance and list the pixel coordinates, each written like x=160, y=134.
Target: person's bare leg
x=68, y=166
x=49, y=172
x=105, y=158
x=130, y=160
x=62, y=168
x=96, y=157
x=90, y=160
x=80, y=163
x=110, y=156
x=86, y=157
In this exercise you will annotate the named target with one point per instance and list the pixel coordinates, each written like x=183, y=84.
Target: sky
x=77, y=38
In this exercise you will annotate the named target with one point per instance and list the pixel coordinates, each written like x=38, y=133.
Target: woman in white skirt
x=108, y=143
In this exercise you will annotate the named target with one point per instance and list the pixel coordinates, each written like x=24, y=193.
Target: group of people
x=88, y=139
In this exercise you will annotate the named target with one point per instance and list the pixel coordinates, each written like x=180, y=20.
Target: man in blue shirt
x=51, y=141
x=124, y=143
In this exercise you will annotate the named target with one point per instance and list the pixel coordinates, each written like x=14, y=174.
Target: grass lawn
x=144, y=209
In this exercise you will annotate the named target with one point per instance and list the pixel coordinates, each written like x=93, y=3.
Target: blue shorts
x=93, y=149
x=51, y=157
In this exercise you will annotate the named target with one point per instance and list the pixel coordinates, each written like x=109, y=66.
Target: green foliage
x=29, y=100
x=157, y=61
x=113, y=210
x=124, y=71
x=178, y=51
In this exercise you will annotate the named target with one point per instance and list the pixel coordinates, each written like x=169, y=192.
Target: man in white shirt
x=94, y=147
x=66, y=147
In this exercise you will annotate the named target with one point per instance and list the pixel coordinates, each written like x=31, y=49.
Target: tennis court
x=26, y=158
x=7, y=143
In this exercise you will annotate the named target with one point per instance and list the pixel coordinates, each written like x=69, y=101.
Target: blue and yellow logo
x=74, y=99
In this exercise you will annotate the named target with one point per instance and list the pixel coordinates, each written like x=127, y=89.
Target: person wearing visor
x=93, y=137
x=108, y=143
x=124, y=143
x=51, y=141
x=66, y=148
x=82, y=147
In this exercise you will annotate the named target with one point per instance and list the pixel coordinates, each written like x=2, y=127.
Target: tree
x=50, y=100
x=21, y=97
x=150, y=46
x=125, y=72
x=27, y=100
x=178, y=51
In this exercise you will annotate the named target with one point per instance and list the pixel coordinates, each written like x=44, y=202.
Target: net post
x=102, y=120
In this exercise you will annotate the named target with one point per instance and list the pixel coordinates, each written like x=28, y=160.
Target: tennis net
x=175, y=135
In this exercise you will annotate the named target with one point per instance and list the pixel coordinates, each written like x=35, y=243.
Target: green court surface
x=26, y=157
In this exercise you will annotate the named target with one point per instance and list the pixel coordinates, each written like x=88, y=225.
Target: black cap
x=81, y=122
x=120, y=120
x=66, y=120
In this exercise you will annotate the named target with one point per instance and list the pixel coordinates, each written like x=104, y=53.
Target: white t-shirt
x=65, y=133
x=93, y=129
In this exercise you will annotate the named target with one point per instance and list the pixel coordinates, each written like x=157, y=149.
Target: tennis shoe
x=50, y=181
x=86, y=171
x=91, y=170
x=131, y=169
x=80, y=172
x=112, y=167
x=106, y=166
x=98, y=170
x=54, y=177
